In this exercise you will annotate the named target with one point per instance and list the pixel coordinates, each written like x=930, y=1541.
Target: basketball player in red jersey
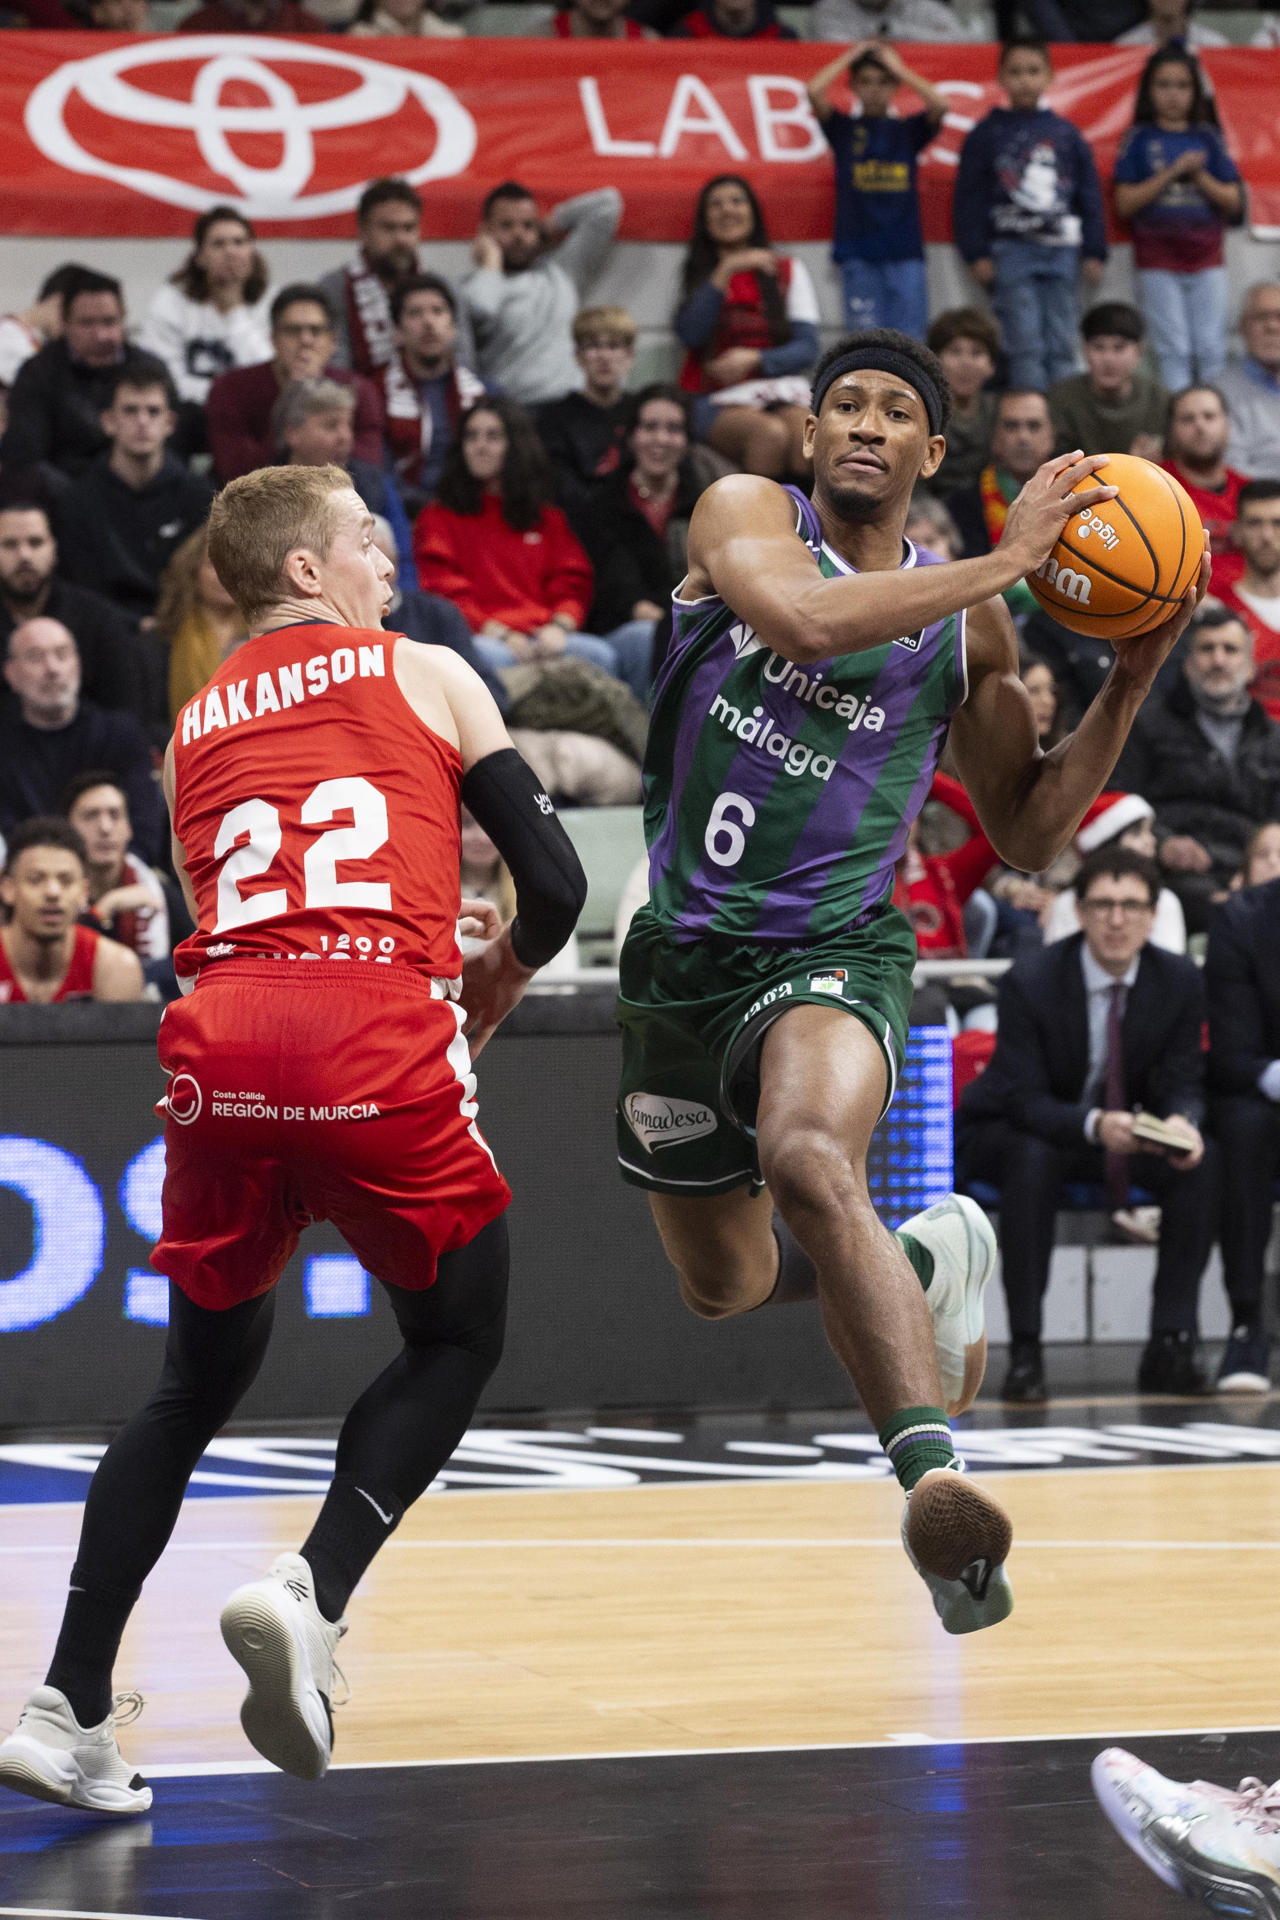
x=44, y=956
x=318, y=1070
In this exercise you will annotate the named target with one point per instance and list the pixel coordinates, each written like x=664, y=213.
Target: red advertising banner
x=108, y=134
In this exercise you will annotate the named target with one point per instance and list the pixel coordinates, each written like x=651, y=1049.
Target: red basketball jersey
x=77, y=983
x=318, y=814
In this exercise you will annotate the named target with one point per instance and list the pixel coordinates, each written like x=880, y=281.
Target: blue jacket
x=1027, y=176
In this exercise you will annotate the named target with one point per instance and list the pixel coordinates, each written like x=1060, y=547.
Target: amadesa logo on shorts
x=660, y=1120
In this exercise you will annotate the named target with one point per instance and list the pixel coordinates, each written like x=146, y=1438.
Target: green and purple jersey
x=777, y=796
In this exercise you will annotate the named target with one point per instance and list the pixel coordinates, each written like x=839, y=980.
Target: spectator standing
x=23, y=334
x=636, y=534
x=528, y=283
x=748, y=317
x=399, y=18
x=430, y=619
x=112, y=660
x=45, y=957
x=967, y=341
x=584, y=433
x=123, y=519
x=197, y=619
x=1119, y=820
x=1251, y=386
x=1169, y=23
x=491, y=542
x=238, y=410
x=733, y=20
x=60, y=393
x=1178, y=188
x=1021, y=441
x=425, y=387
x=50, y=734
x=879, y=242
x=884, y=20
x=126, y=897
x=1248, y=583
x=313, y=424
x=1195, y=448
x=1242, y=985
x=1090, y=1028
x=212, y=313
x=1207, y=757
x=252, y=16
x=1112, y=407
x=1028, y=218
x=389, y=225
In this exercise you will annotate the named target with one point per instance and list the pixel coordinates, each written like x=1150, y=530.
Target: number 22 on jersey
x=251, y=836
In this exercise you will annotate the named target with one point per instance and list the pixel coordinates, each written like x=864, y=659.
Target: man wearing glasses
x=238, y=409
x=1092, y=1031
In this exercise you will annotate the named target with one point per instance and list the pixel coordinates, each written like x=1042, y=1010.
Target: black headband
x=885, y=360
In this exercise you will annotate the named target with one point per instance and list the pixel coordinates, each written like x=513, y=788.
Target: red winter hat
x=1109, y=815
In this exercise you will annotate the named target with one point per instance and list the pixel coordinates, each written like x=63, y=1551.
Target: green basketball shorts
x=693, y=1021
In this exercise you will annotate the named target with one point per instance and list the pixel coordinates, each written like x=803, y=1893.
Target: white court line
x=1107, y=1736
x=318, y=1489
x=712, y=1543
x=78, y=1913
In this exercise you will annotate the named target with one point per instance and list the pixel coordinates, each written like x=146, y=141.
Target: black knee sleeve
x=467, y=1306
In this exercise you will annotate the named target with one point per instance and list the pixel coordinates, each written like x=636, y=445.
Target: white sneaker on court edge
x=50, y=1756
x=275, y=1630
x=958, y=1538
x=963, y=1243
x=1221, y=1849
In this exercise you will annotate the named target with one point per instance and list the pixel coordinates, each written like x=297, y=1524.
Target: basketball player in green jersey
x=817, y=663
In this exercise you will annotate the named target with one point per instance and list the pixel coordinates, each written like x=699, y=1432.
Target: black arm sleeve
x=503, y=794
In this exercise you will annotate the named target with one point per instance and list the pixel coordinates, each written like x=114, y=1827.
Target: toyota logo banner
x=113, y=134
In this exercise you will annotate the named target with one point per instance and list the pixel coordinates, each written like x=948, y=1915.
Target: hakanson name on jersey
x=778, y=796
x=325, y=829
x=274, y=692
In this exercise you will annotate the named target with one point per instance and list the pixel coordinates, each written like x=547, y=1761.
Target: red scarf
x=369, y=327
x=995, y=503
x=408, y=427
x=742, y=323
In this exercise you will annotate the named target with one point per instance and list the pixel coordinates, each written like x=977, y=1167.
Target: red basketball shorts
x=338, y=1092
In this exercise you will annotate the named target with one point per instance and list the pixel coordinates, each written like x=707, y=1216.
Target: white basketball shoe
x=963, y=1243
x=958, y=1538
x=275, y=1630
x=1221, y=1849
x=50, y=1756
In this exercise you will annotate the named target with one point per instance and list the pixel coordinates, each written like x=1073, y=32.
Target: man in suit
x=1089, y=1030
x=1242, y=985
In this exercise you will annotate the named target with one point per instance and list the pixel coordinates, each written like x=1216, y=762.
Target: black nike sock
x=88, y=1643
x=352, y=1526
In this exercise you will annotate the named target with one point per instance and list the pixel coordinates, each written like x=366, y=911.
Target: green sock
x=917, y=1440
x=919, y=1256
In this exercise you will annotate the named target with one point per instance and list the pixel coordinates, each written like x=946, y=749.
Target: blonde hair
x=613, y=324
x=258, y=520
x=195, y=645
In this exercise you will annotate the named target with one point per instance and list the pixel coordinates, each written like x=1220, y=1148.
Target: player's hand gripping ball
x=1124, y=566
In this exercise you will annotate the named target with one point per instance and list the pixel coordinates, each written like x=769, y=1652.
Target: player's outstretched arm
x=1030, y=802
x=743, y=546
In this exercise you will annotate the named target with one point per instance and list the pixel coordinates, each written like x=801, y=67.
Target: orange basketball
x=1122, y=567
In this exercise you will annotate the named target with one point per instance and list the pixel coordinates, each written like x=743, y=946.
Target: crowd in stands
x=535, y=499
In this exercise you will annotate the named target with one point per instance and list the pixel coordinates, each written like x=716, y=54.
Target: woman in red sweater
x=492, y=544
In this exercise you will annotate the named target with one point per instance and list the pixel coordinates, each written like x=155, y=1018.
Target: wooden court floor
x=675, y=1619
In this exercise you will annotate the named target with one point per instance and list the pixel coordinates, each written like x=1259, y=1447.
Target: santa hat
x=1109, y=815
